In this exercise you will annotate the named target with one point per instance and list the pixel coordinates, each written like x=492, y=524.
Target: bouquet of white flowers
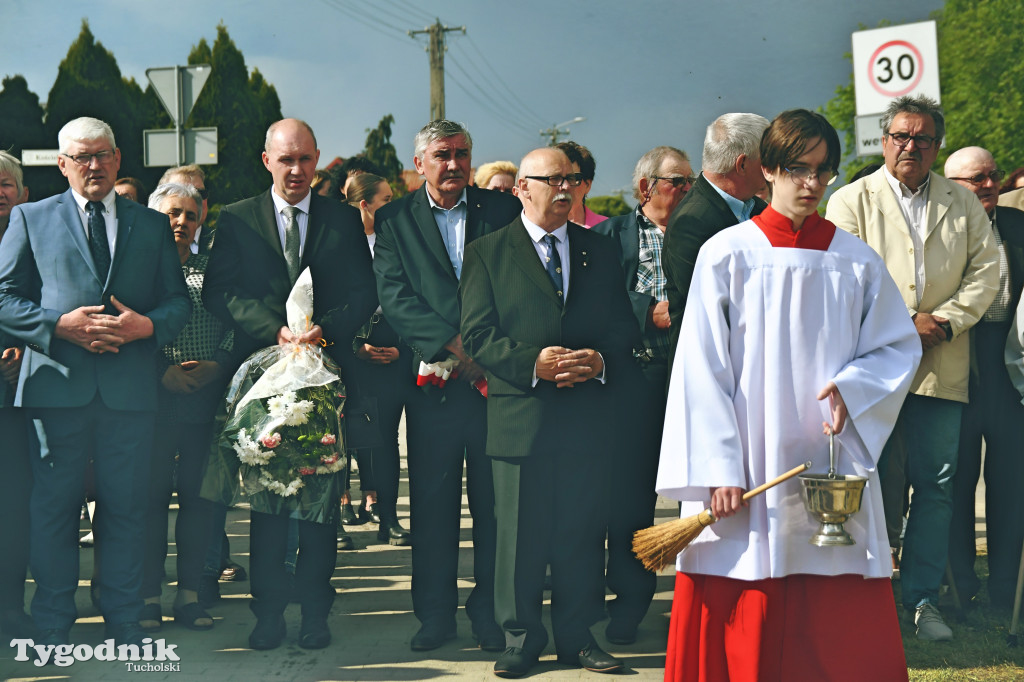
x=283, y=433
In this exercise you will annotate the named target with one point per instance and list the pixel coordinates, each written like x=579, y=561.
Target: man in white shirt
x=935, y=239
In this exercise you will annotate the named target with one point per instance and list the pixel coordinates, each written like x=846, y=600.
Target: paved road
x=371, y=623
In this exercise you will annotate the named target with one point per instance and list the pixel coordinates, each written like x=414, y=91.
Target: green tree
x=381, y=153
x=23, y=128
x=980, y=79
x=980, y=43
x=611, y=205
x=89, y=83
x=242, y=107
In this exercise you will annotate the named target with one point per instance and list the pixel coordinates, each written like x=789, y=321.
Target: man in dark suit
x=723, y=195
x=660, y=181
x=263, y=244
x=994, y=412
x=418, y=260
x=92, y=284
x=546, y=316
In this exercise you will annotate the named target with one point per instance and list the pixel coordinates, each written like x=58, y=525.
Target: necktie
x=291, y=242
x=98, y=239
x=553, y=264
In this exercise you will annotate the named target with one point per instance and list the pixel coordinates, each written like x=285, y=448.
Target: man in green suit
x=545, y=315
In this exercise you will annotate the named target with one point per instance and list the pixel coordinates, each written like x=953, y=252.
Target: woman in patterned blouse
x=193, y=379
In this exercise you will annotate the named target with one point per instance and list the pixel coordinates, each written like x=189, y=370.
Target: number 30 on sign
x=894, y=61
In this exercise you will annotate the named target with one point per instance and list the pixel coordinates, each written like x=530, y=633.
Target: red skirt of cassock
x=801, y=627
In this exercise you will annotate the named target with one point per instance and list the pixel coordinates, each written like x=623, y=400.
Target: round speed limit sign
x=895, y=68
x=894, y=61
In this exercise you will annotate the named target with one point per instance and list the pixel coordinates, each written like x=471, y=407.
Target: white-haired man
x=994, y=412
x=723, y=195
x=91, y=283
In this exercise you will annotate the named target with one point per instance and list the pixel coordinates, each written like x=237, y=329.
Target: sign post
x=178, y=88
x=888, y=63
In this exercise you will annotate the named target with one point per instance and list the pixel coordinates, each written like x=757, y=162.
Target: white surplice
x=765, y=329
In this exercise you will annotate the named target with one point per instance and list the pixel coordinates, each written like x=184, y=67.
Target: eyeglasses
x=802, y=175
x=204, y=192
x=85, y=160
x=979, y=179
x=920, y=141
x=678, y=180
x=573, y=180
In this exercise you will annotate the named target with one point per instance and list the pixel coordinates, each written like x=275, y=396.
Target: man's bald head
x=291, y=157
x=975, y=169
x=546, y=205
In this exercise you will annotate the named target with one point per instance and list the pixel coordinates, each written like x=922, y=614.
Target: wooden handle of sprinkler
x=775, y=481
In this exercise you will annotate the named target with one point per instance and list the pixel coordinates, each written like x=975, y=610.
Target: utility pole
x=436, y=49
x=560, y=129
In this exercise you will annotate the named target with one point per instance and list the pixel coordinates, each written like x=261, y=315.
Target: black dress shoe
x=430, y=637
x=126, y=633
x=233, y=572
x=17, y=624
x=393, y=534
x=268, y=633
x=490, y=638
x=50, y=637
x=348, y=516
x=314, y=633
x=344, y=539
x=620, y=632
x=371, y=512
x=593, y=658
x=514, y=663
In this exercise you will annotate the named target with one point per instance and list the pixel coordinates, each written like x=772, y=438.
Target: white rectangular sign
x=868, y=130
x=894, y=61
x=39, y=157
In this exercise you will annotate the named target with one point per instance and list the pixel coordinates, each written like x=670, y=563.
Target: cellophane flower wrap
x=282, y=439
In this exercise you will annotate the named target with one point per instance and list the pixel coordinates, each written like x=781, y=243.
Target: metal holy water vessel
x=832, y=500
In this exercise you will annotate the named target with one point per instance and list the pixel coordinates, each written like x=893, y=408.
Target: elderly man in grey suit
x=92, y=285
x=937, y=244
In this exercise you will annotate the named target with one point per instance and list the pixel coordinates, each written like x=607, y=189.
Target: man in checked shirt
x=660, y=181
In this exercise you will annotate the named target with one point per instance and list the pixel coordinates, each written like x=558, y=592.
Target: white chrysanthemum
x=289, y=411
x=249, y=451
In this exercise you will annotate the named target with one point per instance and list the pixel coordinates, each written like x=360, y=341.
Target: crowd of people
x=548, y=358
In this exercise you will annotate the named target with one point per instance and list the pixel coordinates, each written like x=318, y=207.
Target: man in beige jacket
x=935, y=239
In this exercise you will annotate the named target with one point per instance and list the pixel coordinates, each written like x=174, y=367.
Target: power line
x=409, y=7
x=497, y=75
x=399, y=15
x=490, y=105
x=336, y=6
x=506, y=94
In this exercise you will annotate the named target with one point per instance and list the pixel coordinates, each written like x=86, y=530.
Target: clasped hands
x=190, y=376
x=312, y=335
x=929, y=330
x=727, y=500
x=99, y=332
x=566, y=367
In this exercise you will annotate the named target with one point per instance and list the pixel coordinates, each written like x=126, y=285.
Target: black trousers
x=994, y=413
x=191, y=443
x=443, y=435
x=633, y=470
x=379, y=467
x=551, y=510
x=318, y=551
x=15, y=490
